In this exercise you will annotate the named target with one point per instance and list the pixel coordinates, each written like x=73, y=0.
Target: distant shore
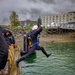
x=50, y=38
x=57, y=38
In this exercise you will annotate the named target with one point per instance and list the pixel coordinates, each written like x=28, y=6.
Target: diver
x=3, y=51
x=36, y=29
x=9, y=37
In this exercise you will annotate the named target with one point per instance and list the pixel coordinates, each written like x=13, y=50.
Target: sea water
x=61, y=62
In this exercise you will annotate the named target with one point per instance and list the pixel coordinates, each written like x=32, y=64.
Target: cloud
x=32, y=9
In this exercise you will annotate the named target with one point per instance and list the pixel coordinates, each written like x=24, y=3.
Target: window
x=70, y=19
x=56, y=17
x=74, y=17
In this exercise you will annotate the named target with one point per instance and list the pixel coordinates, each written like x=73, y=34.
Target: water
x=61, y=62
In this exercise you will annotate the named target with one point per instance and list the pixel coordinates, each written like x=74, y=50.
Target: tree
x=14, y=19
x=39, y=21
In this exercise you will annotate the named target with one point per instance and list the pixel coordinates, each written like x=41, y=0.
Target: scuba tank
x=25, y=43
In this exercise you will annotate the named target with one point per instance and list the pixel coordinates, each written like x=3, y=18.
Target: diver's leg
x=25, y=56
x=43, y=50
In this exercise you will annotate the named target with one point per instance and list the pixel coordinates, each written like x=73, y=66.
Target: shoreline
x=57, y=38
x=50, y=38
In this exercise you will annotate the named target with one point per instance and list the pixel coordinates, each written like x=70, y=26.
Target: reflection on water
x=61, y=62
x=31, y=59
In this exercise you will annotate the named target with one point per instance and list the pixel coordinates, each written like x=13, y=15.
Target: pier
x=61, y=29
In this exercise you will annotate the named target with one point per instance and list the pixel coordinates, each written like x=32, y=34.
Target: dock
x=61, y=29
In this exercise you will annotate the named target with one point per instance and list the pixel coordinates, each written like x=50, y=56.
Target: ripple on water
x=61, y=62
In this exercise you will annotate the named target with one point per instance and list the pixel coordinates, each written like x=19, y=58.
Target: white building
x=58, y=19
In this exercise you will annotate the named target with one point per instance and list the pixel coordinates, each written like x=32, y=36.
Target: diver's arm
x=38, y=30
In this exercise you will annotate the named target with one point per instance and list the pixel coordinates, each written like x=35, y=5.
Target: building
x=59, y=19
x=26, y=22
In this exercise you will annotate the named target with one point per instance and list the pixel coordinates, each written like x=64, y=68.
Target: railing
x=68, y=26
x=63, y=26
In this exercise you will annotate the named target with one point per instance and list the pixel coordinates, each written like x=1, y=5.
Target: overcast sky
x=31, y=9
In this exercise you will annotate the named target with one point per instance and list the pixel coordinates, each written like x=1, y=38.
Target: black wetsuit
x=9, y=38
x=34, y=35
x=3, y=51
